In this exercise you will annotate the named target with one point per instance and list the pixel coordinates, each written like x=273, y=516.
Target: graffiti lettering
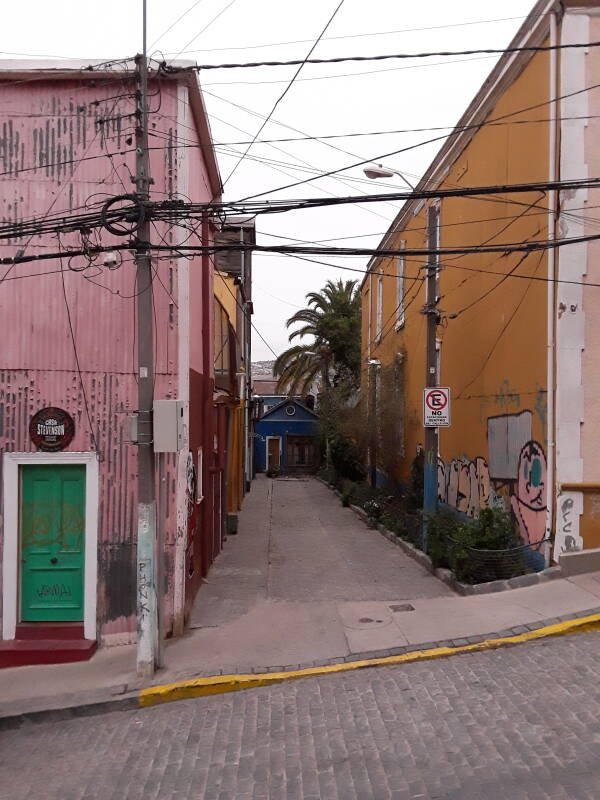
x=55, y=591
x=192, y=515
x=466, y=486
x=567, y=522
x=143, y=591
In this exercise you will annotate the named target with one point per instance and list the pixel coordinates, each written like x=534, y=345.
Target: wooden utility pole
x=147, y=617
x=431, y=376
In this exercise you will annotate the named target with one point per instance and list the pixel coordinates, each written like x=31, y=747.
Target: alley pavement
x=521, y=723
x=303, y=583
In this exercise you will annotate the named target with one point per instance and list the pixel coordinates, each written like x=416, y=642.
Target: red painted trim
x=45, y=630
x=23, y=652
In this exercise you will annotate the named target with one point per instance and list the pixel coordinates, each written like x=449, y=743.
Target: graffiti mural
x=466, y=486
x=513, y=477
x=569, y=508
x=190, y=560
x=528, y=501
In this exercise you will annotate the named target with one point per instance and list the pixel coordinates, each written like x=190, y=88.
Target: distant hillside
x=262, y=369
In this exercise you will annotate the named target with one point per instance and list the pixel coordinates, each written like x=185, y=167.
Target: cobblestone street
x=517, y=723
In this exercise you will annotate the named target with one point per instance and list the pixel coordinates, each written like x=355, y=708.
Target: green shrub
x=443, y=528
x=391, y=523
x=345, y=457
x=348, y=488
x=494, y=530
x=416, y=483
x=327, y=474
x=452, y=542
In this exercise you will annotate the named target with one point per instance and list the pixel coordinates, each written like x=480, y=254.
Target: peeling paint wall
x=65, y=144
x=590, y=452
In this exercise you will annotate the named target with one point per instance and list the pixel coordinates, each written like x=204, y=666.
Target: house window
x=290, y=410
x=400, y=288
x=379, y=309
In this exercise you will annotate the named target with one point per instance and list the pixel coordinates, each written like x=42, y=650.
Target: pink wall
x=46, y=122
x=591, y=301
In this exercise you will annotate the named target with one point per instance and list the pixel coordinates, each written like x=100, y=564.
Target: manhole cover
x=402, y=607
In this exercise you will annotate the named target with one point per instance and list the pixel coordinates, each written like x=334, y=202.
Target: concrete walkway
x=303, y=581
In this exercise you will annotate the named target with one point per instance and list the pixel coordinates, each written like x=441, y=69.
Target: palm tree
x=332, y=318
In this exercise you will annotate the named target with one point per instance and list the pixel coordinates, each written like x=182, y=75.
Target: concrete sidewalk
x=304, y=582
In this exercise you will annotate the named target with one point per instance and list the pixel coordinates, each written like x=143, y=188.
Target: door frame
x=268, y=438
x=10, y=559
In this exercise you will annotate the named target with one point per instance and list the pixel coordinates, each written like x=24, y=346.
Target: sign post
x=436, y=407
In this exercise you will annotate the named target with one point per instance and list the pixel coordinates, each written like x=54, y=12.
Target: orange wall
x=493, y=355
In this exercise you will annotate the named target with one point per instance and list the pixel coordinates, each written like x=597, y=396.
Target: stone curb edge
x=266, y=676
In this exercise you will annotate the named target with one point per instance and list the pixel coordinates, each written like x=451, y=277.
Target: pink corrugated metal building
x=68, y=533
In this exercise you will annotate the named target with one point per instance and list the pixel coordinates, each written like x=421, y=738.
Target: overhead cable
x=285, y=91
x=436, y=53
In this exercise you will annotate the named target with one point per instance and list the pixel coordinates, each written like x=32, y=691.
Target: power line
x=536, y=246
x=353, y=74
x=355, y=35
x=457, y=130
x=440, y=53
x=502, y=332
x=486, y=241
x=58, y=194
x=424, y=227
x=273, y=164
x=173, y=209
x=395, y=131
x=246, y=315
x=76, y=354
x=254, y=113
x=285, y=91
x=173, y=24
x=343, y=181
x=206, y=27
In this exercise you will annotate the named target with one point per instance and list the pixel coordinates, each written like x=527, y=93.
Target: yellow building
x=515, y=329
x=232, y=355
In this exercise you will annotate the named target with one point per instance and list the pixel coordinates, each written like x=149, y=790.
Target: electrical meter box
x=170, y=420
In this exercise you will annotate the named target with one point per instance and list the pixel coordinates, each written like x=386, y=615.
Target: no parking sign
x=436, y=407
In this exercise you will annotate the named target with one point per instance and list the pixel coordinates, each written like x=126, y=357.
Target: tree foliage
x=332, y=320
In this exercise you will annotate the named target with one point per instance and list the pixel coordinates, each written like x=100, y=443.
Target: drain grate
x=402, y=607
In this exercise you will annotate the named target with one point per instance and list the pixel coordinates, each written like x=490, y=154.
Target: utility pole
x=372, y=418
x=147, y=607
x=431, y=376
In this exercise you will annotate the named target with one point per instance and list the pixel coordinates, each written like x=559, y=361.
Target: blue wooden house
x=286, y=439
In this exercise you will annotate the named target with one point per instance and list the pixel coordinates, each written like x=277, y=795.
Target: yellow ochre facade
x=514, y=329
x=226, y=292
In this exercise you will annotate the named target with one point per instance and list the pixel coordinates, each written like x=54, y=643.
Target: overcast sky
x=324, y=100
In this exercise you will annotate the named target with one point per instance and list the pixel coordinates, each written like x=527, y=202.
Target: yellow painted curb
x=221, y=684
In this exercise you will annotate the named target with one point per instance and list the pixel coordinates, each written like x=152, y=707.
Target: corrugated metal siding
x=46, y=123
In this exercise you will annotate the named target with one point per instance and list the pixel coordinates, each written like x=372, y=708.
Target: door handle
x=53, y=560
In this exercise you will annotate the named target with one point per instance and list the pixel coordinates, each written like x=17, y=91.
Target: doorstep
x=40, y=643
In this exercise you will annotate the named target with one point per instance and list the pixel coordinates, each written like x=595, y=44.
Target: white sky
x=392, y=95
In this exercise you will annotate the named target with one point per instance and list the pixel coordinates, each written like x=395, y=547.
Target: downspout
x=551, y=296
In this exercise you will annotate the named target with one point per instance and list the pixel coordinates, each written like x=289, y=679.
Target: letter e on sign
x=436, y=407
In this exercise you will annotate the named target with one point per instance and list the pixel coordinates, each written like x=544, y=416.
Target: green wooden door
x=52, y=542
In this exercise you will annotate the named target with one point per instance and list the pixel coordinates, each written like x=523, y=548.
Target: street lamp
x=375, y=171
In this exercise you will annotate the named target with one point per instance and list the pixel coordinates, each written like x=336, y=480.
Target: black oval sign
x=51, y=429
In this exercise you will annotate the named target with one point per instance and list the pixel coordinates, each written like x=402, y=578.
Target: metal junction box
x=170, y=420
